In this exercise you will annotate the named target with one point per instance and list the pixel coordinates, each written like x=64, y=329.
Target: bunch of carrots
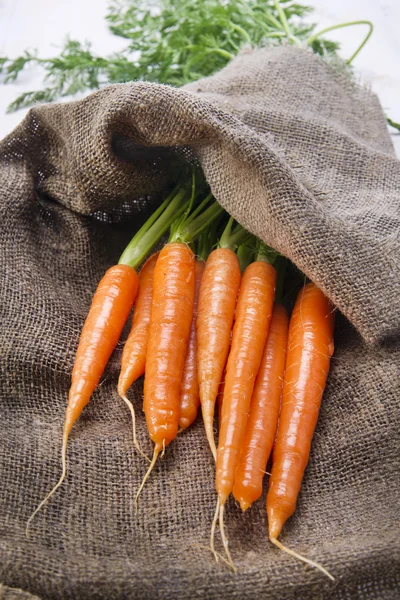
x=209, y=329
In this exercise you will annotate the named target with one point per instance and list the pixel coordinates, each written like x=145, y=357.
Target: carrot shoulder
x=310, y=347
x=264, y=412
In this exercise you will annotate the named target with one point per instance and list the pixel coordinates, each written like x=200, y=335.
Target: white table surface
x=45, y=24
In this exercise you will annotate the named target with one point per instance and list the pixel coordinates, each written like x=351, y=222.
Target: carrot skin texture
x=133, y=359
x=310, y=347
x=217, y=301
x=190, y=397
x=109, y=311
x=253, y=315
x=170, y=321
x=264, y=412
x=220, y=398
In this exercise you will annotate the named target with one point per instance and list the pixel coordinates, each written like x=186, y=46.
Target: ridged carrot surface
x=107, y=316
x=190, y=397
x=134, y=354
x=170, y=321
x=217, y=300
x=264, y=412
x=252, y=319
x=310, y=347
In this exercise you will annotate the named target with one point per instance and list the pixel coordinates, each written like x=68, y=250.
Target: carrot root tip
x=59, y=482
x=225, y=539
x=145, y=478
x=212, y=536
x=135, y=441
x=308, y=561
x=163, y=449
x=210, y=438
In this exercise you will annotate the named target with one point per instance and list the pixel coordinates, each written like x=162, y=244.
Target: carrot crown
x=233, y=238
x=196, y=219
x=155, y=227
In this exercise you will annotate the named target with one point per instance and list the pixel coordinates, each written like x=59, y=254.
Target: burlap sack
x=302, y=158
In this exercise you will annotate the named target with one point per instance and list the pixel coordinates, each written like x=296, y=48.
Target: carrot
x=253, y=315
x=170, y=321
x=264, y=411
x=190, y=399
x=108, y=313
x=134, y=354
x=217, y=300
x=310, y=347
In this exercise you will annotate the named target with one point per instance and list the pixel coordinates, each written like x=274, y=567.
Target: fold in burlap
x=301, y=157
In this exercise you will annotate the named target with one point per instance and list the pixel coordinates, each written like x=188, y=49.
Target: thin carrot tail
x=225, y=539
x=208, y=420
x=135, y=442
x=156, y=452
x=212, y=535
x=302, y=558
x=60, y=481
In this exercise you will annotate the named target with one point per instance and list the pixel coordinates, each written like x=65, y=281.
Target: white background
x=45, y=24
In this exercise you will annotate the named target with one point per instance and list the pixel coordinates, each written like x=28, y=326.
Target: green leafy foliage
x=169, y=41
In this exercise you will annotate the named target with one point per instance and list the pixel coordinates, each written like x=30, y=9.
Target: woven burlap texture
x=301, y=157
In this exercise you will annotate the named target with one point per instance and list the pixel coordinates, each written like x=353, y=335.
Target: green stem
x=194, y=227
x=148, y=236
x=177, y=223
x=232, y=43
x=315, y=36
x=274, y=22
x=233, y=239
x=245, y=254
x=265, y=253
x=198, y=209
x=283, y=19
x=393, y=123
x=153, y=217
x=189, y=64
x=221, y=52
x=242, y=32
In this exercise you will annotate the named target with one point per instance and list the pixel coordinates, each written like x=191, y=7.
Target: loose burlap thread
x=299, y=155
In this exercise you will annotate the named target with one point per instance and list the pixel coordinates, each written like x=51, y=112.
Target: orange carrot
x=253, y=315
x=217, y=300
x=134, y=354
x=220, y=398
x=108, y=313
x=264, y=411
x=190, y=399
x=170, y=321
x=107, y=316
x=310, y=347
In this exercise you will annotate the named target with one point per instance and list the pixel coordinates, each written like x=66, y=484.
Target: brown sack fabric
x=300, y=156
